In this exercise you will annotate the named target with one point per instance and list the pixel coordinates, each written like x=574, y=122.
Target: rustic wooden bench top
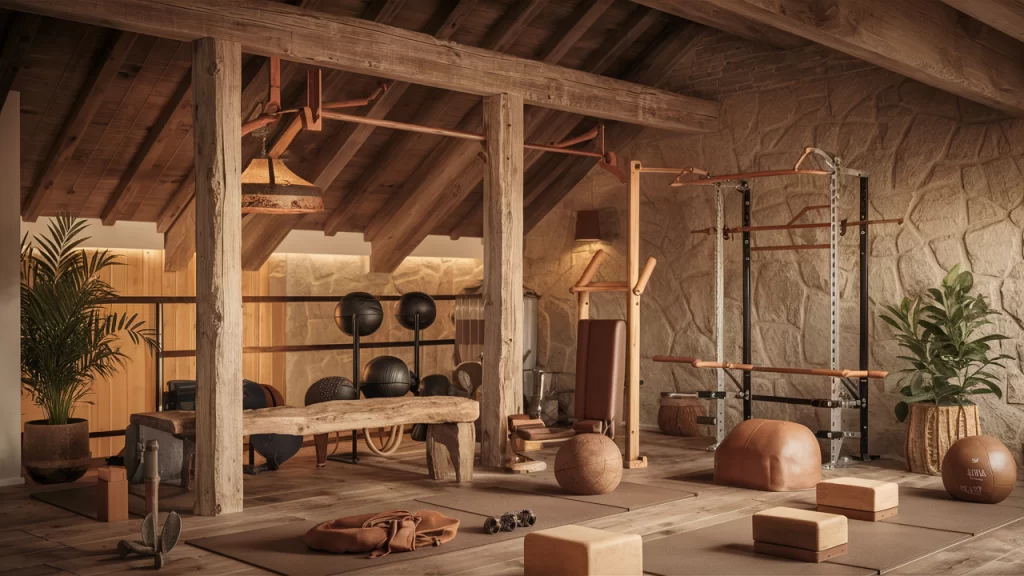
x=335, y=416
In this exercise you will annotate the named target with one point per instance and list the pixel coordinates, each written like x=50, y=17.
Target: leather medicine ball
x=365, y=308
x=979, y=469
x=414, y=303
x=386, y=377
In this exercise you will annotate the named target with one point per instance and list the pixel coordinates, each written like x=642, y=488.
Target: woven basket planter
x=932, y=429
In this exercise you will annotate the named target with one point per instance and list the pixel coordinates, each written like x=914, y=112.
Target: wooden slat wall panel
x=131, y=390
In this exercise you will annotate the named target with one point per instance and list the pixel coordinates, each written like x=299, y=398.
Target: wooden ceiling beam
x=921, y=39
x=88, y=101
x=708, y=14
x=276, y=29
x=1006, y=16
x=21, y=31
x=172, y=127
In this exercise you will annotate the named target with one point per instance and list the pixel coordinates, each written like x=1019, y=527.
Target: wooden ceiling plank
x=153, y=155
x=334, y=157
x=573, y=29
x=1006, y=16
x=88, y=101
x=708, y=14
x=271, y=28
x=921, y=39
x=179, y=199
x=21, y=31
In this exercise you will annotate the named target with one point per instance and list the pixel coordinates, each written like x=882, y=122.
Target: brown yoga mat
x=627, y=495
x=699, y=477
x=495, y=501
x=78, y=499
x=937, y=510
x=728, y=549
x=282, y=549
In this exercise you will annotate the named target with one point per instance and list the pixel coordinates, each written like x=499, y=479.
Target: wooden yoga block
x=112, y=497
x=581, y=551
x=800, y=534
x=678, y=416
x=858, y=498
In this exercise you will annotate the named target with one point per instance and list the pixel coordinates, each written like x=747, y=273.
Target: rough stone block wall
x=950, y=167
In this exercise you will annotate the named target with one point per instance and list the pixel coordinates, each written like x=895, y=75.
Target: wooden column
x=216, y=93
x=633, y=458
x=503, y=276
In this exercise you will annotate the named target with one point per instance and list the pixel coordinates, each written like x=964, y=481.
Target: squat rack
x=841, y=380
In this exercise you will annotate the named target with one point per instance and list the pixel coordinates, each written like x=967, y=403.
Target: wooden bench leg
x=321, y=441
x=450, y=451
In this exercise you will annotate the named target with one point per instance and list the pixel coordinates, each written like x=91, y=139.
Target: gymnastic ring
x=390, y=446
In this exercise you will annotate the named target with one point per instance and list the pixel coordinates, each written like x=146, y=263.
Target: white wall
x=10, y=312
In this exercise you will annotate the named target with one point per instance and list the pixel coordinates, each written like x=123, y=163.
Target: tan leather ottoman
x=580, y=551
x=803, y=535
x=858, y=498
x=769, y=455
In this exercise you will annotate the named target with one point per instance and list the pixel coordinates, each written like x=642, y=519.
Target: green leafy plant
x=68, y=338
x=949, y=361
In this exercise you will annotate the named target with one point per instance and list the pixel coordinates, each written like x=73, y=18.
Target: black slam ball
x=386, y=377
x=331, y=388
x=367, y=311
x=413, y=303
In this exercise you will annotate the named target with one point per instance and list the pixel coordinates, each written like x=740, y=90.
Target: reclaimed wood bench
x=451, y=437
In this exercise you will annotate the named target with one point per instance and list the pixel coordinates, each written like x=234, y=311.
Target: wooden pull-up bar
x=697, y=363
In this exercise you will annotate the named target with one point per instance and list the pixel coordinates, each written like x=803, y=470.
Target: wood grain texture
x=21, y=31
x=921, y=39
x=1004, y=15
x=708, y=14
x=450, y=451
x=633, y=459
x=270, y=28
x=216, y=82
x=334, y=416
x=89, y=99
x=502, y=389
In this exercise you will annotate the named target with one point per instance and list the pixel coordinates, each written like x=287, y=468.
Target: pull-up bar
x=697, y=363
x=843, y=224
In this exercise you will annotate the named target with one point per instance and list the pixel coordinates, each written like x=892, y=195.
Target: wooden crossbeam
x=1004, y=15
x=921, y=39
x=173, y=127
x=453, y=172
x=21, y=31
x=77, y=121
x=708, y=14
x=277, y=29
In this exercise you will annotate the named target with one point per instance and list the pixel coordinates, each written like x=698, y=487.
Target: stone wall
x=313, y=323
x=950, y=167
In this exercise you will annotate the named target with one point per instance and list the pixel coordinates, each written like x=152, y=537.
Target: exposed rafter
x=88, y=101
x=921, y=39
x=1004, y=15
x=708, y=14
x=21, y=31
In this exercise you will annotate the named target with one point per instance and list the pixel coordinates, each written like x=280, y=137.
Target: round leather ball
x=386, y=377
x=588, y=464
x=979, y=469
x=331, y=388
x=413, y=303
x=364, y=308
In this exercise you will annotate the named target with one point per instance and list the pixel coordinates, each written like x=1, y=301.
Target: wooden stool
x=859, y=498
x=112, y=499
x=580, y=551
x=678, y=416
x=803, y=535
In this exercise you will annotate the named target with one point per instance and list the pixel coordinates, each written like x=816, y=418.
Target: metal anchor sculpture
x=153, y=544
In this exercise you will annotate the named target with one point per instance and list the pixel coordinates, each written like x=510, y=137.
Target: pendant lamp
x=269, y=187
x=588, y=226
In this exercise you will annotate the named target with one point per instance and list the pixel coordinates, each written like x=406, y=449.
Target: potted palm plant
x=951, y=362
x=68, y=339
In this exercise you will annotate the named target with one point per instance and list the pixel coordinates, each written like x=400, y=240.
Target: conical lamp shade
x=269, y=187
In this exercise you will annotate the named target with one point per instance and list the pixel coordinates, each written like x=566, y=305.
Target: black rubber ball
x=253, y=396
x=413, y=303
x=386, y=377
x=331, y=388
x=436, y=385
x=365, y=308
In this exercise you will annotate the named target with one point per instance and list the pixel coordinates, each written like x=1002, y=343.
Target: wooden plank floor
x=38, y=539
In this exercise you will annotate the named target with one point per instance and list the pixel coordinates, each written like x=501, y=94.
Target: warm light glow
x=269, y=187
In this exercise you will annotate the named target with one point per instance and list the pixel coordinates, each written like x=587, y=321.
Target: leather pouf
x=588, y=464
x=678, y=416
x=979, y=469
x=772, y=455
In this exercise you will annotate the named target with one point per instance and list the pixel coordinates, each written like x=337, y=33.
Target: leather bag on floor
x=382, y=533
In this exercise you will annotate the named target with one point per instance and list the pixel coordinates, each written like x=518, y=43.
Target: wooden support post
x=216, y=82
x=503, y=276
x=450, y=451
x=633, y=458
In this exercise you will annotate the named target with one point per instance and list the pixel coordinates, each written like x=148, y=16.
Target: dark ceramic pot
x=56, y=453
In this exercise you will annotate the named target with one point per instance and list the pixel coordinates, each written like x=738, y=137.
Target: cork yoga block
x=858, y=498
x=769, y=455
x=803, y=529
x=678, y=416
x=581, y=551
